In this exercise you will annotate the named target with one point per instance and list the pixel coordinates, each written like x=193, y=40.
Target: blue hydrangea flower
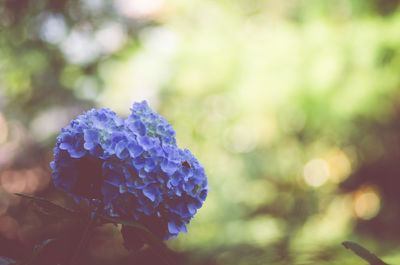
x=133, y=166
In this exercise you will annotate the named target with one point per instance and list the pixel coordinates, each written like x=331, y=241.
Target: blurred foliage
x=292, y=107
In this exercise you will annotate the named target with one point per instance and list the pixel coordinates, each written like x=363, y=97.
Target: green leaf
x=49, y=208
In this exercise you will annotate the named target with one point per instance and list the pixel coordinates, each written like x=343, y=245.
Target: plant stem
x=84, y=236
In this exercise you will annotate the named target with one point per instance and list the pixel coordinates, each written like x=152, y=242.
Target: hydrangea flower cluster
x=133, y=166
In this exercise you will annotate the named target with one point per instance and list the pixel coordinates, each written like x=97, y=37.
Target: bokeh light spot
x=339, y=165
x=53, y=29
x=8, y=227
x=12, y=182
x=316, y=172
x=80, y=47
x=367, y=203
x=111, y=37
x=3, y=129
x=24, y=181
x=263, y=229
x=240, y=140
x=138, y=8
x=86, y=87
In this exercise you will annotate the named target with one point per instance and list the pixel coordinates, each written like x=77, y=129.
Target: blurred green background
x=293, y=108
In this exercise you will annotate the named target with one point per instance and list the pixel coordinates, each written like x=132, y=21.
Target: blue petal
x=100, y=120
x=137, y=127
x=134, y=149
x=119, y=121
x=172, y=228
x=109, y=192
x=188, y=187
x=169, y=166
x=121, y=150
x=138, y=162
x=149, y=192
x=150, y=164
x=146, y=142
x=65, y=146
x=116, y=137
x=77, y=153
x=192, y=208
x=91, y=137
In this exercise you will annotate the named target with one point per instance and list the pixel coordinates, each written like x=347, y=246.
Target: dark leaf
x=136, y=235
x=115, y=220
x=49, y=208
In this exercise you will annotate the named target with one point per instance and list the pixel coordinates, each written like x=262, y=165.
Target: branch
x=363, y=253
